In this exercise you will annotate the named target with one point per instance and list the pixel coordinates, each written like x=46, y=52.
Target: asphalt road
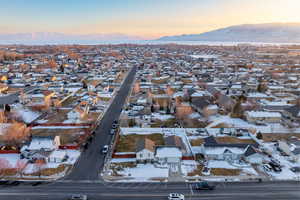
x=151, y=191
x=91, y=161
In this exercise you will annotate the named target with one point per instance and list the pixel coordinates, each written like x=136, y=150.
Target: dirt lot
x=197, y=142
x=275, y=137
x=170, y=123
x=67, y=136
x=127, y=143
x=196, y=172
x=234, y=140
x=225, y=172
x=50, y=171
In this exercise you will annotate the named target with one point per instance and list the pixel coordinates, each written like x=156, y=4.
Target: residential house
x=145, y=150
x=263, y=116
x=175, y=141
x=253, y=155
x=213, y=150
x=293, y=112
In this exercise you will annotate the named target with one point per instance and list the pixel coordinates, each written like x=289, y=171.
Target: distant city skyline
x=145, y=18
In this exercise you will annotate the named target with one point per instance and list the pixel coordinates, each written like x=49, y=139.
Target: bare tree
x=20, y=166
x=39, y=166
x=4, y=166
x=16, y=133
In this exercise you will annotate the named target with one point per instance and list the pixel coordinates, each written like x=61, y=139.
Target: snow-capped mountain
x=272, y=32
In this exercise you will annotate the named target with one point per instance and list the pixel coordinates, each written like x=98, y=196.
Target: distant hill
x=267, y=33
x=60, y=38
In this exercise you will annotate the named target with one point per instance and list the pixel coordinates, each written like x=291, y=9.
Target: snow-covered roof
x=161, y=117
x=41, y=143
x=212, y=107
x=163, y=152
x=220, y=164
x=258, y=95
x=105, y=95
x=263, y=114
x=142, y=101
x=200, y=94
x=58, y=154
x=276, y=103
x=26, y=114
x=221, y=150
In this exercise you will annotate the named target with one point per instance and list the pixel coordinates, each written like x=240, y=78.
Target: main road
x=150, y=191
x=90, y=163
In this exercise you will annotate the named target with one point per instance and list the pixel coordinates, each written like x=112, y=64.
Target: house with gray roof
x=145, y=149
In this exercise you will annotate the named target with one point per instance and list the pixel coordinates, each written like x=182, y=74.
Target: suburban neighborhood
x=191, y=113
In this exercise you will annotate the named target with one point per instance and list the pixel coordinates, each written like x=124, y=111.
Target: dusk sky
x=147, y=18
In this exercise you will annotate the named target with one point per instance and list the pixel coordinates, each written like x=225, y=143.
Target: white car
x=267, y=167
x=112, y=131
x=104, y=149
x=175, y=196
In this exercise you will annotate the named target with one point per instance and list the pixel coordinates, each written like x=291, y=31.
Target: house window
x=141, y=155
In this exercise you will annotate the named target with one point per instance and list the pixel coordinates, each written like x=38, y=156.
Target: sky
x=146, y=18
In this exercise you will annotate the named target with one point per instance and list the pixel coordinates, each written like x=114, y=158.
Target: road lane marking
x=192, y=192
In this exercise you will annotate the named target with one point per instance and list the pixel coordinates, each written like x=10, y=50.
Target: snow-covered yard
x=161, y=117
x=220, y=164
x=285, y=174
x=145, y=172
x=124, y=169
x=73, y=117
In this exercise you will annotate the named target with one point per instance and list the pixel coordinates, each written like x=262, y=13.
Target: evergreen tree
x=259, y=136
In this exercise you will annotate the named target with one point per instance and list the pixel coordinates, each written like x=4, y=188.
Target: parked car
x=267, y=167
x=78, y=197
x=114, y=126
x=90, y=138
x=203, y=185
x=295, y=169
x=112, y=131
x=175, y=196
x=275, y=161
x=104, y=149
x=275, y=166
x=85, y=145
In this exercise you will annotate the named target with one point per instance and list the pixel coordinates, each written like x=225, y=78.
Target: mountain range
x=61, y=38
x=266, y=33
